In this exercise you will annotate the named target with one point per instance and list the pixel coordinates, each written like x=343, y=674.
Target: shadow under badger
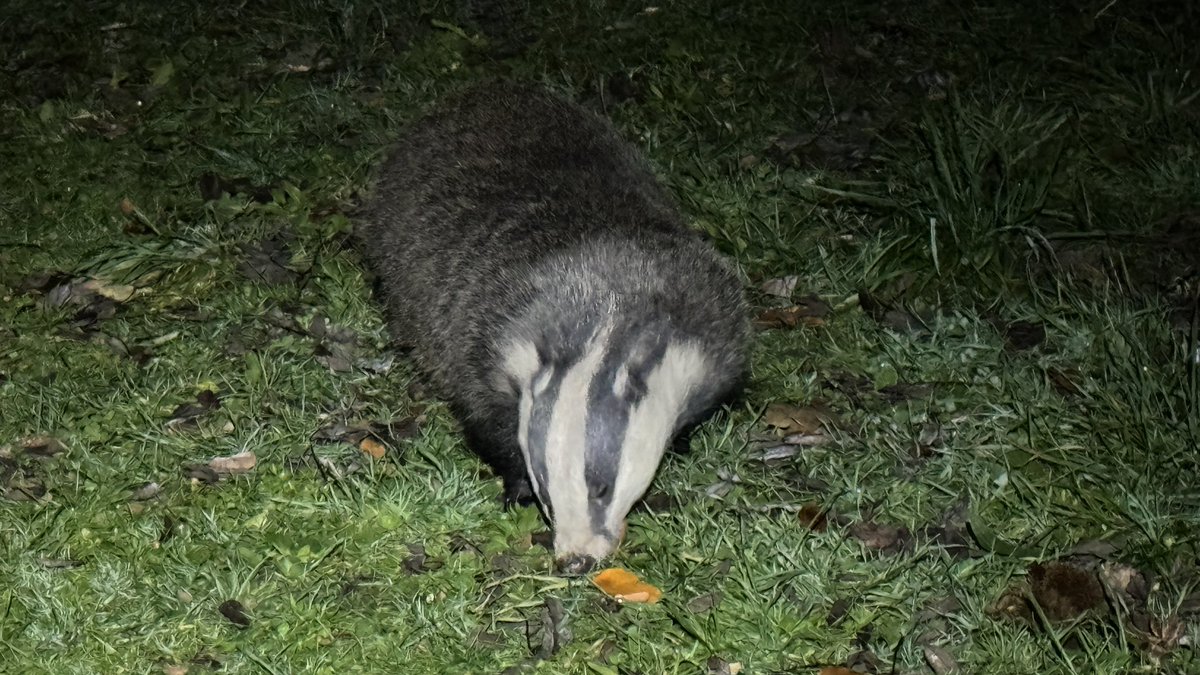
x=553, y=295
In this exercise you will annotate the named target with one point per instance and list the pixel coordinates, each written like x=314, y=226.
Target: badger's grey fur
x=552, y=293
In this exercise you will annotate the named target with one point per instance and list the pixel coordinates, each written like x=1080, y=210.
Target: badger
x=549, y=290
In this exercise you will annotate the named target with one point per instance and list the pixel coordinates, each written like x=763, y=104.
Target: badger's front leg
x=497, y=445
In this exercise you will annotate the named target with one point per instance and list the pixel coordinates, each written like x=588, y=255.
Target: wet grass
x=995, y=204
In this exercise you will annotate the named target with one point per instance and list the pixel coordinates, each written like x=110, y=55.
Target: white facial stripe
x=651, y=423
x=520, y=362
x=566, y=452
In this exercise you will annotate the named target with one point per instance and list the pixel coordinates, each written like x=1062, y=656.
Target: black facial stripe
x=559, y=350
x=608, y=412
x=539, y=426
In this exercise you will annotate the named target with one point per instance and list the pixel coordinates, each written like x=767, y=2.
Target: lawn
x=970, y=234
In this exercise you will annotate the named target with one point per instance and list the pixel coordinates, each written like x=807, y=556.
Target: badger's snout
x=575, y=564
x=577, y=552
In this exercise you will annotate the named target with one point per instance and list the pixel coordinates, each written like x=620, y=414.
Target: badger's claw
x=517, y=492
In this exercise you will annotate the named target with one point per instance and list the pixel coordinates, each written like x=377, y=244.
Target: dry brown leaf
x=781, y=287
x=836, y=670
x=625, y=586
x=790, y=317
x=940, y=660
x=791, y=419
x=812, y=516
x=114, y=292
x=41, y=446
x=1012, y=605
x=1064, y=590
x=886, y=538
x=242, y=462
x=372, y=447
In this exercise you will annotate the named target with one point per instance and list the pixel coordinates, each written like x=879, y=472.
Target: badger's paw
x=517, y=492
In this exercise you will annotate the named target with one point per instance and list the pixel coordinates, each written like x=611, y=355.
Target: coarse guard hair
x=551, y=292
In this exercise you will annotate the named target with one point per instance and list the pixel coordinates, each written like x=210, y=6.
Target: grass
x=1054, y=150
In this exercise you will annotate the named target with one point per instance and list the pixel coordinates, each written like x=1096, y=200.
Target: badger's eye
x=629, y=386
x=600, y=491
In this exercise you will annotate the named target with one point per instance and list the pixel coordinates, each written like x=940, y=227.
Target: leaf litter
x=625, y=586
x=186, y=416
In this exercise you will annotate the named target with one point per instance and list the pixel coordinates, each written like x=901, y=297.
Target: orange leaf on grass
x=372, y=447
x=625, y=586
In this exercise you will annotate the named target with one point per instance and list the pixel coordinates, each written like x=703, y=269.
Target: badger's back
x=484, y=197
x=523, y=248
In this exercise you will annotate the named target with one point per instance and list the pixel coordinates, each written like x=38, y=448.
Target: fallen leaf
x=338, y=357
x=836, y=670
x=1012, y=605
x=809, y=311
x=27, y=490
x=418, y=561
x=776, y=455
x=146, y=492
x=781, y=287
x=268, y=261
x=704, y=602
x=723, y=486
x=41, y=446
x=235, y=612
x=940, y=607
x=1163, y=636
x=1099, y=548
x=812, y=516
x=372, y=447
x=1063, y=590
x=548, y=635
x=114, y=292
x=186, y=415
x=885, y=538
x=1065, y=382
x=1023, y=335
x=625, y=586
x=864, y=660
x=460, y=544
x=387, y=433
x=951, y=532
x=940, y=661
x=1126, y=580
x=242, y=462
x=719, y=666
x=806, y=440
x=792, y=419
x=42, y=282
x=839, y=610
x=656, y=502
x=899, y=320
x=899, y=392
x=167, y=531
x=207, y=660
x=213, y=187
x=201, y=474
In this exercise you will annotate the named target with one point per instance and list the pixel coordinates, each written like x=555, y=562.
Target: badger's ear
x=520, y=362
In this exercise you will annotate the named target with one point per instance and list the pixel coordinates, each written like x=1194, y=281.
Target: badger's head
x=595, y=421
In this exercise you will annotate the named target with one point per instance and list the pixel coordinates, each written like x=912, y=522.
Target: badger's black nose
x=575, y=564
